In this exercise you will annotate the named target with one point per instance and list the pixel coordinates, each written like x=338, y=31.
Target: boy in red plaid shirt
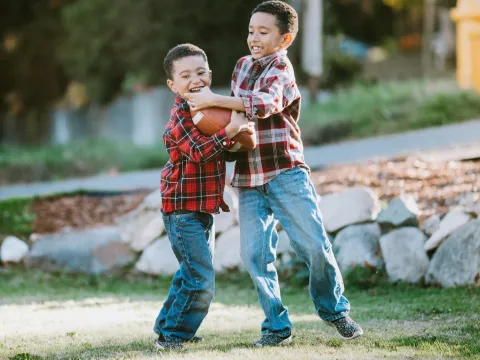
x=273, y=179
x=192, y=184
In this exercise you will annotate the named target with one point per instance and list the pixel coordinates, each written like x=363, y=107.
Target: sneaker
x=346, y=327
x=163, y=344
x=273, y=340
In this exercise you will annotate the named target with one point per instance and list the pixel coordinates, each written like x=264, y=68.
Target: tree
x=109, y=42
x=31, y=78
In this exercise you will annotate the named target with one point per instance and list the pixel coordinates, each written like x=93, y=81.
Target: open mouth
x=197, y=89
x=255, y=49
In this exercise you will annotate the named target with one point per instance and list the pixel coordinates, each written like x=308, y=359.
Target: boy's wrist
x=216, y=100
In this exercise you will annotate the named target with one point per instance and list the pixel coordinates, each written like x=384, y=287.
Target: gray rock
x=227, y=251
x=225, y=220
x=358, y=245
x=452, y=221
x=140, y=227
x=92, y=251
x=457, y=261
x=404, y=255
x=13, y=250
x=153, y=201
x=470, y=202
x=158, y=258
x=401, y=211
x=351, y=206
x=431, y=225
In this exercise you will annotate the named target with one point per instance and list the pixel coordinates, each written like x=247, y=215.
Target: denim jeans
x=291, y=199
x=192, y=236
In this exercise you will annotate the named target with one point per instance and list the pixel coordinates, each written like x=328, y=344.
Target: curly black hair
x=287, y=17
x=178, y=52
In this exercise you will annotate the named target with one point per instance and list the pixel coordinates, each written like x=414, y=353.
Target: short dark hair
x=178, y=52
x=287, y=17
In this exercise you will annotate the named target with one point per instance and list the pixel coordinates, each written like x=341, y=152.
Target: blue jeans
x=291, y=199
x=192, y=236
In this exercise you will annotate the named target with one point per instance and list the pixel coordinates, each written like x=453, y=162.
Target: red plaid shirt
x=194, y=176
x=272, y=100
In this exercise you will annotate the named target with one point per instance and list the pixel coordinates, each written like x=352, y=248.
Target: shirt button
x=224, y=143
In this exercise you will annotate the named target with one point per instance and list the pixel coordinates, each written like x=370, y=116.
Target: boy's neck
x=281, y=51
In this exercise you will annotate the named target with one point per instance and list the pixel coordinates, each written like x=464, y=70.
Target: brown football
x=209, y=121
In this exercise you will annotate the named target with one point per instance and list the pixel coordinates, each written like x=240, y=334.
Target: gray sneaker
x=273, y=340
x=346, y=327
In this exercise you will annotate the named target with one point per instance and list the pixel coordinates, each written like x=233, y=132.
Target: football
x=211, y=120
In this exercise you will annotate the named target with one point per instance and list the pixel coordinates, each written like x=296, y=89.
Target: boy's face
x=190, y=74
x=264, y=36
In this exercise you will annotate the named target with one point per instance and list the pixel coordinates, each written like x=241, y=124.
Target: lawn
x=59, y=316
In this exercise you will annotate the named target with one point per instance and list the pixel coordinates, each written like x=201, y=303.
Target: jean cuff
x=335, y=317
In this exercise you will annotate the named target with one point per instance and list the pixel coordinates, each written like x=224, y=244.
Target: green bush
x=77, y=159
x=16, y=217
x=339, y=70
x=364, y=111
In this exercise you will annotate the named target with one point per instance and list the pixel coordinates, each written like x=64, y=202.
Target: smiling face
x=264, y=37
x=190, y=74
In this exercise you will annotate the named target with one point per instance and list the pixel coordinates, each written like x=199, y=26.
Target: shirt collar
x=181, y=103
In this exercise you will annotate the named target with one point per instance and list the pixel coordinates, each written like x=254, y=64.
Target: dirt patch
x=436, y=185
x=82, y=211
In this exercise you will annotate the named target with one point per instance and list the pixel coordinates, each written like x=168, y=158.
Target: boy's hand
x=205, y=98
x=238, y=123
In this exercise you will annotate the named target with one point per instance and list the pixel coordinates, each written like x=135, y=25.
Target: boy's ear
x=287, y=40
x=171, y=85
x=210, y=72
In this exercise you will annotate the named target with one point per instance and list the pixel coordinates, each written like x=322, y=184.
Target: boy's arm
x=276, y=93
x=206, y=98
x=196, y=146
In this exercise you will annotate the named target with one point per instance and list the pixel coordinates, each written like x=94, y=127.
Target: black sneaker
x=273, y=340
x=163, y=344
x=196, y=339
x=347, y=328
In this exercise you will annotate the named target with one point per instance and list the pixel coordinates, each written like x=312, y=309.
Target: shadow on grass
x=85, y=350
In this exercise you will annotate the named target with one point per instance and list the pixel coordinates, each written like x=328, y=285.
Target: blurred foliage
x=339, y=69
x=31, y=79
x=16, y=217
x=115, y=46
x=370, y=110
x=82, y=158
x=109, y=43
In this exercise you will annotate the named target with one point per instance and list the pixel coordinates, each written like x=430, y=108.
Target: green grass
x=16, y=217
x=363, y=111
x=76, y=159
x=60, y=316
